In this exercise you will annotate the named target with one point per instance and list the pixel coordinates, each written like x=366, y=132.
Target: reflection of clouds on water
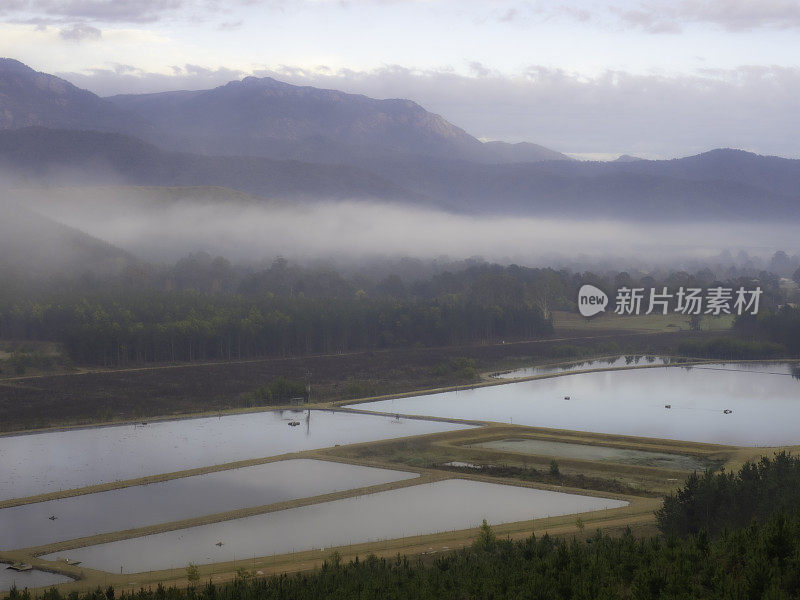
x=447, y=505
x=46, y=462
x=762, y=400
x=183, y=498
x=28, y=579
x=614, y=361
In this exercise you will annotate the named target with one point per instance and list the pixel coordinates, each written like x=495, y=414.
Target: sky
x=652, y=78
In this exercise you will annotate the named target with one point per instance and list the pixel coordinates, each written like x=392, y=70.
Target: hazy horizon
x=356, y=231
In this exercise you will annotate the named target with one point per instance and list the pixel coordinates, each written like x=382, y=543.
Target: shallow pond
x=599, y=453
x=28, y=579
x=177, y=499
x=600, y=363
x=427, y=508
x=764, y=400
x=47, y=462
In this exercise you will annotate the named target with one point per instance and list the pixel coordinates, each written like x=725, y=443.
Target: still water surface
x=27, y=579
x=139, y=506
x=600, y=363
x=427, y=508
x=764, y=400
x=47, y=462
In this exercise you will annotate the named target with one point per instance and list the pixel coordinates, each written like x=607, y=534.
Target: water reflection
x=139, y=506
x=47, y=462
x=28, y=579
x=727, y=403
x=428, y=508
x=627, y=360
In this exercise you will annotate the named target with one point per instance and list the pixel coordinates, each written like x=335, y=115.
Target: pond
x=599, y=363
x=447, y=505
x=763, y=400
x=47, y=462
x=184, y=498
x=645, y=458
x=28, y=579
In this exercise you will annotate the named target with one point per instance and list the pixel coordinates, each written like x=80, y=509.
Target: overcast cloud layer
x=652, y=15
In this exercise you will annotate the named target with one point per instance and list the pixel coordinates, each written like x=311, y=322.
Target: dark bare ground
x=83, y=398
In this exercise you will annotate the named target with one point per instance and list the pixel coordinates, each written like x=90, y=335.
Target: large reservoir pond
x=764, y=400
x=177, y=499
x=600, y=363
x=28, y=579
x=47, y=462
x=626, y=456
x=428, y=508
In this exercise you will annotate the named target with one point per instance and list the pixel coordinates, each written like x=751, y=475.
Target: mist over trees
x=206, y=308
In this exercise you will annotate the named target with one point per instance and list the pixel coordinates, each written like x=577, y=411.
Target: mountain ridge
x=272, y=118
x=253, y=116
x=327, y=144
x=643, y=190
x=32, y=98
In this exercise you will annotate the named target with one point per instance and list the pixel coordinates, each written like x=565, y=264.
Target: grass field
x=670, y=322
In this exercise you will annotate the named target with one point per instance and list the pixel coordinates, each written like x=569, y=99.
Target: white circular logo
x=591, y=300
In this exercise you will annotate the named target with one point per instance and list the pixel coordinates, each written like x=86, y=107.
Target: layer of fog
x=159, y=230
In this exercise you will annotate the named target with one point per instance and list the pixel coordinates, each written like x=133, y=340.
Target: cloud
x=663, y=16
x=479, y=69
x=660, y=16
x=229, y=25
x=142, y=222
x=127, y=79
x=80, y=32
x=108, y=11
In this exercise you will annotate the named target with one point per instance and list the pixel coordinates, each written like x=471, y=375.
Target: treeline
x=778, y=326
x=729, y=348
x=186, y=326
x=715, y=502
x=203, y=308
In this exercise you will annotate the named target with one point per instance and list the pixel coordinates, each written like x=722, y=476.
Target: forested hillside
x=205, y=308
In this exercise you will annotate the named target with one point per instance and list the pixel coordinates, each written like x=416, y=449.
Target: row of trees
x=778, y=326
x=729, y=348
x=714, y=502
x=216, y=311
x=152, y=327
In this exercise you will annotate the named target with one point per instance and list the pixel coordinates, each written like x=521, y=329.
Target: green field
x=671, y=322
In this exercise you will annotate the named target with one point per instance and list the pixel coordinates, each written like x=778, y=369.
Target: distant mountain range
x=720, y=184
x=276, y=140
x=28, y=97
x=253, y=117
